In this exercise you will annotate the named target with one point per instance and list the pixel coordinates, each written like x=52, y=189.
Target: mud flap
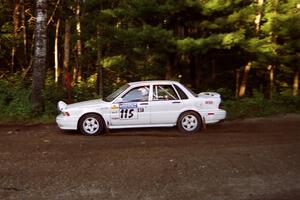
x=203, y=123
x=106, y=128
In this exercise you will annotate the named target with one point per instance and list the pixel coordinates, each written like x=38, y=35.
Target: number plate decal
x=128, y=111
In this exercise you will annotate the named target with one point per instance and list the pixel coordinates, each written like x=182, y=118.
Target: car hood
x=90, y=103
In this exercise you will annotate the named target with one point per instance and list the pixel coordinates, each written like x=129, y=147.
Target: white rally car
x=143, y=104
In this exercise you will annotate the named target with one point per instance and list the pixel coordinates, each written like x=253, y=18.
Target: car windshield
x=116, y=93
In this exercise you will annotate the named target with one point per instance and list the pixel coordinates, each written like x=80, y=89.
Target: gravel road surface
x=253, y=159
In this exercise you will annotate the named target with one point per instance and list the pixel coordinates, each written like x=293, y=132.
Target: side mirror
x=61, y=105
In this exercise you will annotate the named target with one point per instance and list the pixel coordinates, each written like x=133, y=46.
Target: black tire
x=189, y=122
x=91, y=124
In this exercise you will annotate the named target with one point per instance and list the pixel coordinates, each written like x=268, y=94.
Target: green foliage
x=217, y=41
x=114, y=61
x=225, y=93
x=85, y=90
x=261, y=107
x=14, y=99
x=15, y=103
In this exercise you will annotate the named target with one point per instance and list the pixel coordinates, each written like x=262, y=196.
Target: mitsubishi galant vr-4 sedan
x=143, y=104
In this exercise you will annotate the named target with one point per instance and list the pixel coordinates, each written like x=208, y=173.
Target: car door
x=133, y=108
x=166, y=106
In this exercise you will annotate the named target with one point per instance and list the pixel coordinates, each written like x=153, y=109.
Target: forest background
x=51, y=50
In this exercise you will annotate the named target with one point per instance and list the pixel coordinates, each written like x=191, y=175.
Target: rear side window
x=164, y=92
x=180, y=92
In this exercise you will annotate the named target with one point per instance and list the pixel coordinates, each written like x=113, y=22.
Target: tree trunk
x=24, y=30
x=193, y=71
x=271, y=81
x=31, y=58
x=56, y=61
x=99, y=66
x=68, y=84
x=198, y=60
x=247, y=68
x=40, y=55
x=54, y=11
x=258, y=16
x=237, y=82
x=169, y=67
x=77, y=69
x=16, y=13
x=296, y=82
x=243, y=84
x=213, y=73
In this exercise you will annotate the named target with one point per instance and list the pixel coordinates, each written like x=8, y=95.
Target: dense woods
x=75, y=50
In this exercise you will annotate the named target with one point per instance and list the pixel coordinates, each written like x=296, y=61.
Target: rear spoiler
x=209, y=94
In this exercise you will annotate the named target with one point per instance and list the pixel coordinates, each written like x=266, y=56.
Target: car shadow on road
x=144, y=132
x=155, y=132
x=150, y=132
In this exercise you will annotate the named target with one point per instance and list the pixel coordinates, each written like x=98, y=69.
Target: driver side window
x=137, y=94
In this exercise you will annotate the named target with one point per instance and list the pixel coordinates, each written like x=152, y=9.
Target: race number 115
x=127, y=113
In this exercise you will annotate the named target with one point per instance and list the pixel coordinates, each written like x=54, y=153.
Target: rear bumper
x=66, y=122
x=214, y=116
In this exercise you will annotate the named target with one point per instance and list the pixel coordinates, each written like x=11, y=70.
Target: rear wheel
x=91, y=124
x=189, y=122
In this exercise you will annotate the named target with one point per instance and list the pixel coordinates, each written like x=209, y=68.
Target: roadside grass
x=43, y=119
x=261, y=107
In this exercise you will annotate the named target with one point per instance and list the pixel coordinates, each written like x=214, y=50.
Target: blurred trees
x=237, y=47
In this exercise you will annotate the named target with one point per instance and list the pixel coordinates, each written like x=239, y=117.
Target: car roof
x=152, y=82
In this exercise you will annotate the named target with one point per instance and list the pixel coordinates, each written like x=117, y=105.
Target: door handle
x=143, y=104
x=176, y=102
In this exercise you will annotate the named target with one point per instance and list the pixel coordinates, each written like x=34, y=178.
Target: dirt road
x=254, y=159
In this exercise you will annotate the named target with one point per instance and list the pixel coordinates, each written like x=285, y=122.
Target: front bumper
x=66, y=122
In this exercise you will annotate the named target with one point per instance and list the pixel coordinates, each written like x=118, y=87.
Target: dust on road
x=247, y=159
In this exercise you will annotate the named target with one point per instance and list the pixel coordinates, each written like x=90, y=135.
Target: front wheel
x=91, y=124
x=189, y=122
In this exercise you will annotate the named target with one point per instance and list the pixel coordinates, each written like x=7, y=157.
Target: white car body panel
x=149, y=113
x=165, y=112
x=138, y=118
